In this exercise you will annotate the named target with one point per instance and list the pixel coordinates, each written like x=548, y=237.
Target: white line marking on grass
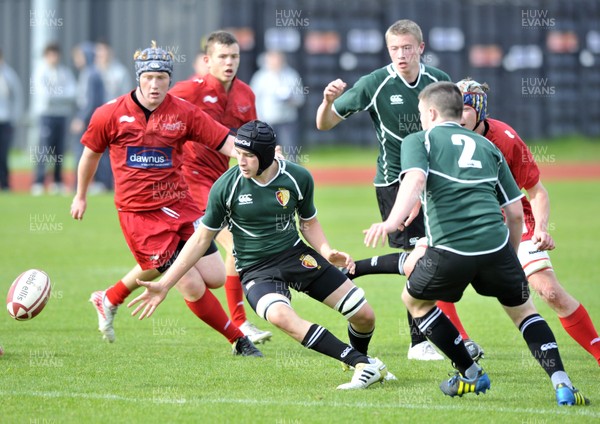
x=580, y=411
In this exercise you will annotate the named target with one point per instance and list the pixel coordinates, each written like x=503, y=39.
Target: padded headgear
x=152, y=59
x=474, y=95
x=259, y=138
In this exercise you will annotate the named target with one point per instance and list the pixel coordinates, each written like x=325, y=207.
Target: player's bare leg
x=207, y=307
x=235, y=293
x=573, y=316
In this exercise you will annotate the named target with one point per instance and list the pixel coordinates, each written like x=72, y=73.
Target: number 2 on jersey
x=466, y=157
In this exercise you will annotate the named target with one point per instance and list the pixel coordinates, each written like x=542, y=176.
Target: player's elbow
x=514, y=214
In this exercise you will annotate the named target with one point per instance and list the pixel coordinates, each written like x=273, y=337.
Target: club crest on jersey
x=283, y=196
x=149, y=157
x=309, y=262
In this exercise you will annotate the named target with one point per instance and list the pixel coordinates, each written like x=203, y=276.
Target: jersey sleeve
x=306, y=206
x=216, y=209
x=507, y=190
x=414, y=153
x=205, y=130
x=96, y=136
x=354, y=100
x=524, y=168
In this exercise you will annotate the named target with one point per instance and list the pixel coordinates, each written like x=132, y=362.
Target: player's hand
x=543, y=240
x=376, y=232
x=341, y=259
x=78, y=207
x=154, y=294
x=334, y=90
x=413, y=214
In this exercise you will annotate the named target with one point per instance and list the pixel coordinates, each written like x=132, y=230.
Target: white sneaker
x=366, y=375
x=424, y=351
x=106, y=315
x=255, y=335
x=37, y=189
x=58, y=189
x=388, y=377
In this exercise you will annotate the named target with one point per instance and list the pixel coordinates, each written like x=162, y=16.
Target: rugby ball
x=28, y=294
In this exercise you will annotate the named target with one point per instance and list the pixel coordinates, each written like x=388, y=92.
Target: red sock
x=117, y=293
x=579, y=326
x=449, y=309
x=209, y=310
x=235, y=299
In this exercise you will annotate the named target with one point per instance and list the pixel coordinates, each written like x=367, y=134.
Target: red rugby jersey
x=520, y=161
x=232, y=109
x=146, y=156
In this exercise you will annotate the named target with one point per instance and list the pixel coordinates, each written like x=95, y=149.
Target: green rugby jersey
x=393, y=106
x=467, y=182
x=262, y=218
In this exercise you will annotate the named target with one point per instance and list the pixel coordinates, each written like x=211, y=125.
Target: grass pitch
x=173, y=368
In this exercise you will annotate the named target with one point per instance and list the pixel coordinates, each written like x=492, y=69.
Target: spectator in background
x=200, y=64
x=11, y=108
x=53, y=87
x=117, y=81
x=90, y=95
x=279, y=94
x=116, y=77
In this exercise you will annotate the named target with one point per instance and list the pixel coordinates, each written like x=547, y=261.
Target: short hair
x=52, y=48
x=405, y=26
x=445, y=97
x=220, y=37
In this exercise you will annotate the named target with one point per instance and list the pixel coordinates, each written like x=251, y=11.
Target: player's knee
x=364, y=318
x=191, y=288
x=351, y=303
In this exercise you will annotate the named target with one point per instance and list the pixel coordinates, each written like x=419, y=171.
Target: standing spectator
x=279, y=94
x=53, y=86
x=117, y=81
x=11, y=107
x=116, y=77
x=90, y=95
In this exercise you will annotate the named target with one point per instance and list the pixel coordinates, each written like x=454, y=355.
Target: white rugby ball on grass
x=28, y=294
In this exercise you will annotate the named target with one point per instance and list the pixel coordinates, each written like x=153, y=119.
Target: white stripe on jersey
x=235, y=184
x=241, y=228
x=170, y=212
x=300, y=195
x=461, y=181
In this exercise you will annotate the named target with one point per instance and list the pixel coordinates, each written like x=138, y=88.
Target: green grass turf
x=173, y=368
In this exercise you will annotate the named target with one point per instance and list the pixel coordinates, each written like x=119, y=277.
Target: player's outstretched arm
x=404, y=206
x=326, y=117
x=313, y=233
x=540, y=206
x=156, y=292
x=85, y=172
